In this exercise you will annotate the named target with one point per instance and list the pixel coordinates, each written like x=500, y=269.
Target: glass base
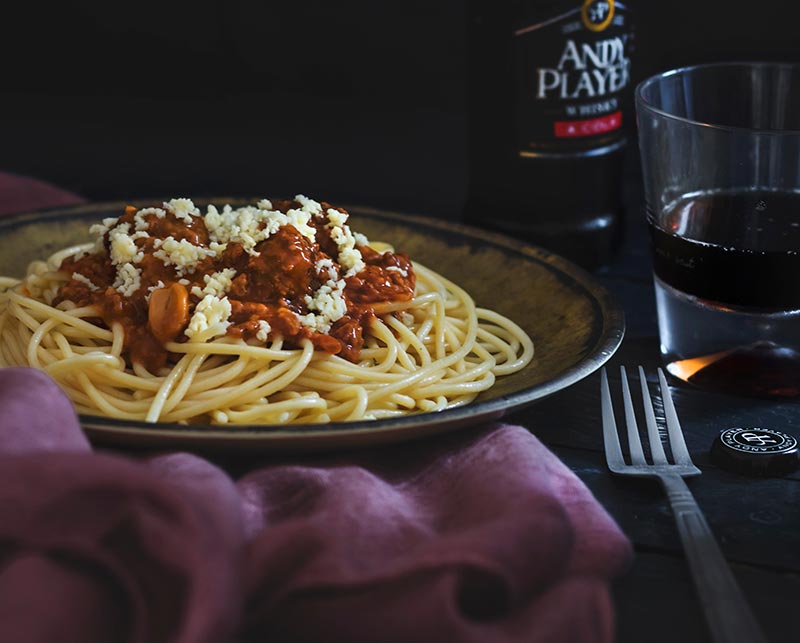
x=737, y=350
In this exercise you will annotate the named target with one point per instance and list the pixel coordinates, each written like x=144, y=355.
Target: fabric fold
x=467, y=549
x=94, y=543
x=37, y=416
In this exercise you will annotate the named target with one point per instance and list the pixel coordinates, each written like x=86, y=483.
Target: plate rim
x=610, y=338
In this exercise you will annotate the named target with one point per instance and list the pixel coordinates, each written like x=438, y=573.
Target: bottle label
x=572, y=70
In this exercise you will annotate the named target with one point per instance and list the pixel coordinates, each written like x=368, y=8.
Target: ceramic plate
x=574, y=323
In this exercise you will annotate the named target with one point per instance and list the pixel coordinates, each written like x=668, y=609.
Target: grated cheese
x=402, y=271
x=140, y=218
x=349, y=256
x=100, y=229
x=263, y=330
x=183, y=254
x=308, y=205
x=248, y=226
x=129, y=279
x=325, y=307
x=217, y=283
x=122, y=246
x=84, y=280
x=327, y=269
x=182, y=209
x=210, y=319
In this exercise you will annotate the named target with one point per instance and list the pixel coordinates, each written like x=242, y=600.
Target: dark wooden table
x=755, y=520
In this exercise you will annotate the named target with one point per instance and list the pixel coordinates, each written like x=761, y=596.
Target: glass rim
x=642, y=102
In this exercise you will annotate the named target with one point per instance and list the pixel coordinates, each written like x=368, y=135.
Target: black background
x=360, y=101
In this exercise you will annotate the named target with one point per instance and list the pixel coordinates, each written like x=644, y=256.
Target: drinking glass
x=720, y=150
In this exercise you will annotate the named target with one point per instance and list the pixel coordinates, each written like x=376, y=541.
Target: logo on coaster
x=756, y=440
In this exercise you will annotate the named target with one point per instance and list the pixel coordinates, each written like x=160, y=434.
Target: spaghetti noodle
x=276, y=313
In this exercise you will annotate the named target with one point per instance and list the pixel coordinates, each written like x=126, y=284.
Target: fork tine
x=656, y=448
x=679, y=451
x=610, y=436
x=634, y=442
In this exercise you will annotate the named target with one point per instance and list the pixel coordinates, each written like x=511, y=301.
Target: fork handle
x=727, y=612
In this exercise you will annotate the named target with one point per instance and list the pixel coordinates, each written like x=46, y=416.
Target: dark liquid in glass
x=734, y=248
x=739, y=251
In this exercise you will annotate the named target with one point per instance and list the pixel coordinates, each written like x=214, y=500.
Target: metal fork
x=727, y=612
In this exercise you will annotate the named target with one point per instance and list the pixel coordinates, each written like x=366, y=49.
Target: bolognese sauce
x=276, y=283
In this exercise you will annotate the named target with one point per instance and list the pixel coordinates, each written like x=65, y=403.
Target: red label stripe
x=588, y=127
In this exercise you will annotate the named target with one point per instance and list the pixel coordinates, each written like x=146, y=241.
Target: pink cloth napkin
x=482, y=535
x=23, y=193
x=93, y=546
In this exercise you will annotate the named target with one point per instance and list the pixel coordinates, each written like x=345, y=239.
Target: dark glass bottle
x=549, y=98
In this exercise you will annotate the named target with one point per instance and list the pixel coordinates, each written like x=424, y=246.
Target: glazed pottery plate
x=574, y=323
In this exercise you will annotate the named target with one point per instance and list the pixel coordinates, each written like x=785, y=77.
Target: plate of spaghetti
x=289, y=323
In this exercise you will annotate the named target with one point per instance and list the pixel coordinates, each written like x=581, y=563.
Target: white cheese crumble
x=210, y=319
x=326, y=268
x=402, y=271
x=183, y=254
x=159, y=212
x=308, y=205
x=336, y=218
x=129, y=279
x=250, y=225
x=349, y=256
x=325, y=307
x=263, y=330
x=122, y=246
x=140, y=221
x=101, y=228
x=182, y=209
x=217, y=283
x=85, y=280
